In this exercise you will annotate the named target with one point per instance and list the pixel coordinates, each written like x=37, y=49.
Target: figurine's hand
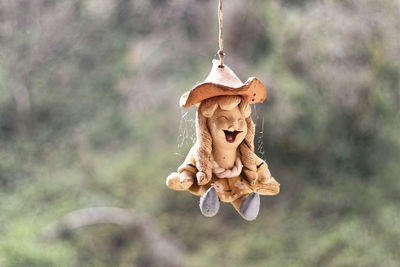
x=202, y=178
x=180, y=181
x=254, y=181
x=264, y=177
x=186, y=179
x=251, y=177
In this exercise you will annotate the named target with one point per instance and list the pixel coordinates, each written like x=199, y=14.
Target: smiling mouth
x=230, y=136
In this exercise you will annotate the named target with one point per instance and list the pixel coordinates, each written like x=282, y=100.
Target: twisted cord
x=221, y=37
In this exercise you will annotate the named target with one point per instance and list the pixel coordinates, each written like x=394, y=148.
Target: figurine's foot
x=250, y=206
x=209, y=203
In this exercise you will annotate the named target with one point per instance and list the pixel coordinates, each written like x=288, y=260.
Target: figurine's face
x=228, y=128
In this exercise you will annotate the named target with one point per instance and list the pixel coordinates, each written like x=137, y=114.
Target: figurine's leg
x=248, y=206
x=209, y=203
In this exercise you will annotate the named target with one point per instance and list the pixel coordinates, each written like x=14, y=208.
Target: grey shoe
x=250, y=206
x=209, y=203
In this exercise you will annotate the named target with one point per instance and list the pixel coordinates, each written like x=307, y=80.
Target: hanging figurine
x=222, y=165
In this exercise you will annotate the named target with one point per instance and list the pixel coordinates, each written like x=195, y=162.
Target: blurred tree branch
x=162, y=250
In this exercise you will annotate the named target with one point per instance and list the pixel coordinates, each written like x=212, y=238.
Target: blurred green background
x=90, y=128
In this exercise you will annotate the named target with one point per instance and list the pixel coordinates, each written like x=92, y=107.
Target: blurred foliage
x=89, y=117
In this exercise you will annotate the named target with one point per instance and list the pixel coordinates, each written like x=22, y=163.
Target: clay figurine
x=222, y=165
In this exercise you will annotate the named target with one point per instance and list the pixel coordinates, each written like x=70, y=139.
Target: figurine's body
x=222, y=166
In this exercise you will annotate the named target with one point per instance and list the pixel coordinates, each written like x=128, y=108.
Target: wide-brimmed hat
x=222, y=81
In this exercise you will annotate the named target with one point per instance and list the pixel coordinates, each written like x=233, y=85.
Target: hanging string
x=221, y=37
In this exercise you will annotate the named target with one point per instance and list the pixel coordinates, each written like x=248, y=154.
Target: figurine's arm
x=184, y=178
x=263, y=173
x=262, y=169
x=189, y=165
x=267, y=185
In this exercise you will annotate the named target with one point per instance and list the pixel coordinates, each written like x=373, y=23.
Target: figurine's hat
x=222, y=81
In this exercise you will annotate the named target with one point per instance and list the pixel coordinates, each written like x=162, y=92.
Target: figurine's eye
x=222, y=117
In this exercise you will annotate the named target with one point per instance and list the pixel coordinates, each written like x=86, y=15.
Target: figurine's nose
x=233, y=125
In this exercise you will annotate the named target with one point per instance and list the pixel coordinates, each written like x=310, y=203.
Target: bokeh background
x=90, y=128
